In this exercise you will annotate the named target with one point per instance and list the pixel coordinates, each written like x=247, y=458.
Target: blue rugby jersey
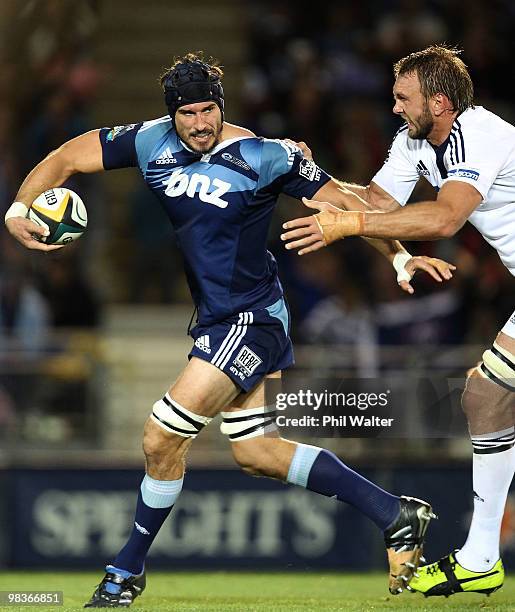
x=220, y=205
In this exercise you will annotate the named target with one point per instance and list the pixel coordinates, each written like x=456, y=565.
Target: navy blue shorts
x=247, y=346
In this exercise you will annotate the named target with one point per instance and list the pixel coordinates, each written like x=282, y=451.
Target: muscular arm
x=372, y=195
x=82, y=154
x=421, y=221
x=349, y=197
x=309, y=233
x=455, y=203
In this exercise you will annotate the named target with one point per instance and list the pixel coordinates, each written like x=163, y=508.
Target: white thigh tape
x=499, y=365
x=250, y=423
x=176, y=419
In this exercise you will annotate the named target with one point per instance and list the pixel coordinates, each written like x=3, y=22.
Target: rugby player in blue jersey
x=219, y=184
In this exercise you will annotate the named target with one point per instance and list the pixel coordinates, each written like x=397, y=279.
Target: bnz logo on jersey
x=181, y=183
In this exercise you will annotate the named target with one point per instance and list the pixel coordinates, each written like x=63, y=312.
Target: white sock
x=492, y=474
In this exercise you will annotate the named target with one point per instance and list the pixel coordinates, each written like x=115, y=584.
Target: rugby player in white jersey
x=468, y=154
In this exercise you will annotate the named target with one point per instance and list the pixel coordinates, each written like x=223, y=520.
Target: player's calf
x=404, y=520
x=489, y=403
x=167, y=436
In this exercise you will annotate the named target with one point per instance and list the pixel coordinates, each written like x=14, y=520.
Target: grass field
x=253, y=592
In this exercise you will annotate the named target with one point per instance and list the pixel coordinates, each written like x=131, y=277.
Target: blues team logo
x=119, y=130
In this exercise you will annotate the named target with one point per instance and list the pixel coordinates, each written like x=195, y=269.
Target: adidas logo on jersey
x=202, y=343
x=166, y=157
x=421, y=169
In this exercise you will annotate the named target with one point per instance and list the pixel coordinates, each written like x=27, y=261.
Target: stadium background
x=91, y=336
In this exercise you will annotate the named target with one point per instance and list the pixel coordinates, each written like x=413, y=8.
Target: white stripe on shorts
x=249, y=320
x=232, y=340
x=227, y=339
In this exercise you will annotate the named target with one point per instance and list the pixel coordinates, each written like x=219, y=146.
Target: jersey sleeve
x=119, y=147
x=284, y=168
x=398, y=175
x=477, y=159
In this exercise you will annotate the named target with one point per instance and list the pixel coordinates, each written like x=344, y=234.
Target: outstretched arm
x=308, y=235
x=421, y=221
x=82, y=154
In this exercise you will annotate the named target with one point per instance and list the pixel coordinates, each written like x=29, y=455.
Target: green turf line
x=253, y=592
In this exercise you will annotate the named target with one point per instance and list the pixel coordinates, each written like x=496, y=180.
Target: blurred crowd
x=48, y=78
x=318, y=72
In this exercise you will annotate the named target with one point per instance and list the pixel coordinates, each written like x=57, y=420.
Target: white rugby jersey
x=480, y=151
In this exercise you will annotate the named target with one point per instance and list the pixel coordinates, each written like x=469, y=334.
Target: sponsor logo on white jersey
x=247, y=360
x=180, y=183
x=202, y=343
x=166, y=157
x=465, y=173
x=141, y=529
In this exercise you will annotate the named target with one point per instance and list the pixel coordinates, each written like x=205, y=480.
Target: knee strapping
x=497, y=442
x=176, y=419
x=250, y=423
x=499, y=366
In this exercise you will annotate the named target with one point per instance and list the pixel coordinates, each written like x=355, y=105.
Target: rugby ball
x=62, y=212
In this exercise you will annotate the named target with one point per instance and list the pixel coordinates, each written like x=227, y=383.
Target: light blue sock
x=160, y=493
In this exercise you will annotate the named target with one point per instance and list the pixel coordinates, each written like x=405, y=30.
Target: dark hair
x=215, y=70
x=440, y=70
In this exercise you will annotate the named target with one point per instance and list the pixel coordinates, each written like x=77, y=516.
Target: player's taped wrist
x=399, y=262
x=334, y=226
x=17, y=209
